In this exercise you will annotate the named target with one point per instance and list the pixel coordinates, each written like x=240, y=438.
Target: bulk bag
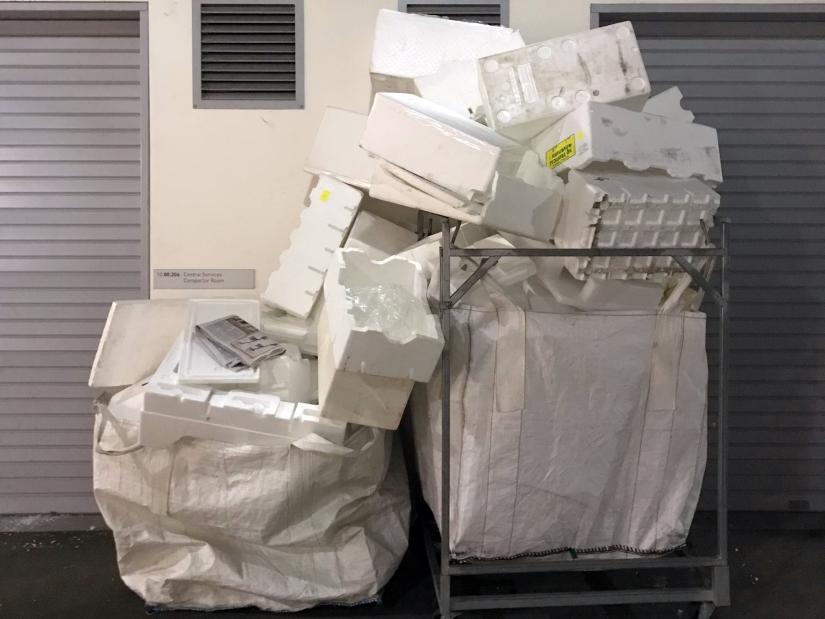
x=208, y=525
x=583, y=431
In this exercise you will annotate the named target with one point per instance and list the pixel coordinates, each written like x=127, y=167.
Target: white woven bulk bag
x=208, y=525
x=582, y=431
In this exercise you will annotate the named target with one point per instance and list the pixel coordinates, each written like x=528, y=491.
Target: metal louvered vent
x=493, y=13
x=248, y=54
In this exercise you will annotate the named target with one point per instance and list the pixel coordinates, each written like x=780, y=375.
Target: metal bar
x=582, y=598
x=535, y=565
x=432, y=561
x=455, y=234
x=592, y=252
x=481, y=271
x=699, y=279
x=444, y=307
x=722, y=415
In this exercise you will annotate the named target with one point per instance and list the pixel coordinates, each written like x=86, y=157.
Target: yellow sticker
x=561, y=152
x=324, y=195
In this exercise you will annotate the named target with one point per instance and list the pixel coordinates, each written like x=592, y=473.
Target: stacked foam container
x=553, y=144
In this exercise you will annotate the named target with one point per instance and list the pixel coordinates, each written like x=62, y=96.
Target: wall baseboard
x=17, y=523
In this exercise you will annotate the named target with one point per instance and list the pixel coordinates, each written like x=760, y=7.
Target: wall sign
x=234, y=279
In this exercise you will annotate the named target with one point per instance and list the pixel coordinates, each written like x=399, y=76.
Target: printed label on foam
x=561, y=152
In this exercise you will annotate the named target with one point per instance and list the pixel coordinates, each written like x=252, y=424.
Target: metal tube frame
x=443, y=570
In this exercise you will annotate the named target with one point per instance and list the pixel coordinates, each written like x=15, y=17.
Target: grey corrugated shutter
x=760, y=79
x=73, y=237
x=248, y=53
x=493, y=12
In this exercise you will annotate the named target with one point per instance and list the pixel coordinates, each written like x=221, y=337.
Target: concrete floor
x=775, y=574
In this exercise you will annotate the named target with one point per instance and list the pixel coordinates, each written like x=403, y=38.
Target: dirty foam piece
x=295, y=285
x=434, y=57
x=355, y=397
x=336, y=152
x=436, y=144
x=378, y=237
x=135, y=339
x=633, y=210
x=525, y=198
x=379, y=319
x=625, y=140
x=545, y=81
x=196, y=364
x=668, y=103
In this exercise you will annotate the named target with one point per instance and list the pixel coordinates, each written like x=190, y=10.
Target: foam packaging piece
x=603, y=294
x=633, y=210
x=453, y=152
x=668, y=103
x=592, y=294
x=434, y=57
x=355, y=397
x=524, y=200
x=290, y=376
x=288, y=329
x=540, y=83
x=379, y=319
x=336, y=151
x=135, y=339
x=627, y=140
x=509, y=270
x=295, y=285
x=196, y=365
x=233, y=417
x=377, y=236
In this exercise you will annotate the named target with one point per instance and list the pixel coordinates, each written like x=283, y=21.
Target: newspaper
x=236, y=344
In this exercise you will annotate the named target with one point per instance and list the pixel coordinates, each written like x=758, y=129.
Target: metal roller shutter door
x=73, y=235
x=759, y=77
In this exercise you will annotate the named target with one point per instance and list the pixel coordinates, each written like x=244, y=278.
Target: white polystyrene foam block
x=379, y=319
x=238, y=417
x=196, y=364
x=295, y=285
x=378, y=237
x=288, y=329
x=178, y=400
x=309, y=416
x=668, y=103
x=592, y=294
x=336, y=151
x=434, y=57
x=290, y=376
x=436, y=144
x=523, y=199
x=509, y=270
x=355, y=397
x=633, y=211
x=135, y=339
x=597, y=133
x=545, y=81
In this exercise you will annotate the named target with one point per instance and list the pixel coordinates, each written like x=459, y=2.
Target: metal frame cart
x=715, y=592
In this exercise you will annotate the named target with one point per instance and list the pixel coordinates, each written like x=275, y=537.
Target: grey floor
x=775, y=574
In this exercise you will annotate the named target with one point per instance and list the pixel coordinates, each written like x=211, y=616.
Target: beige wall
x=227, y=186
